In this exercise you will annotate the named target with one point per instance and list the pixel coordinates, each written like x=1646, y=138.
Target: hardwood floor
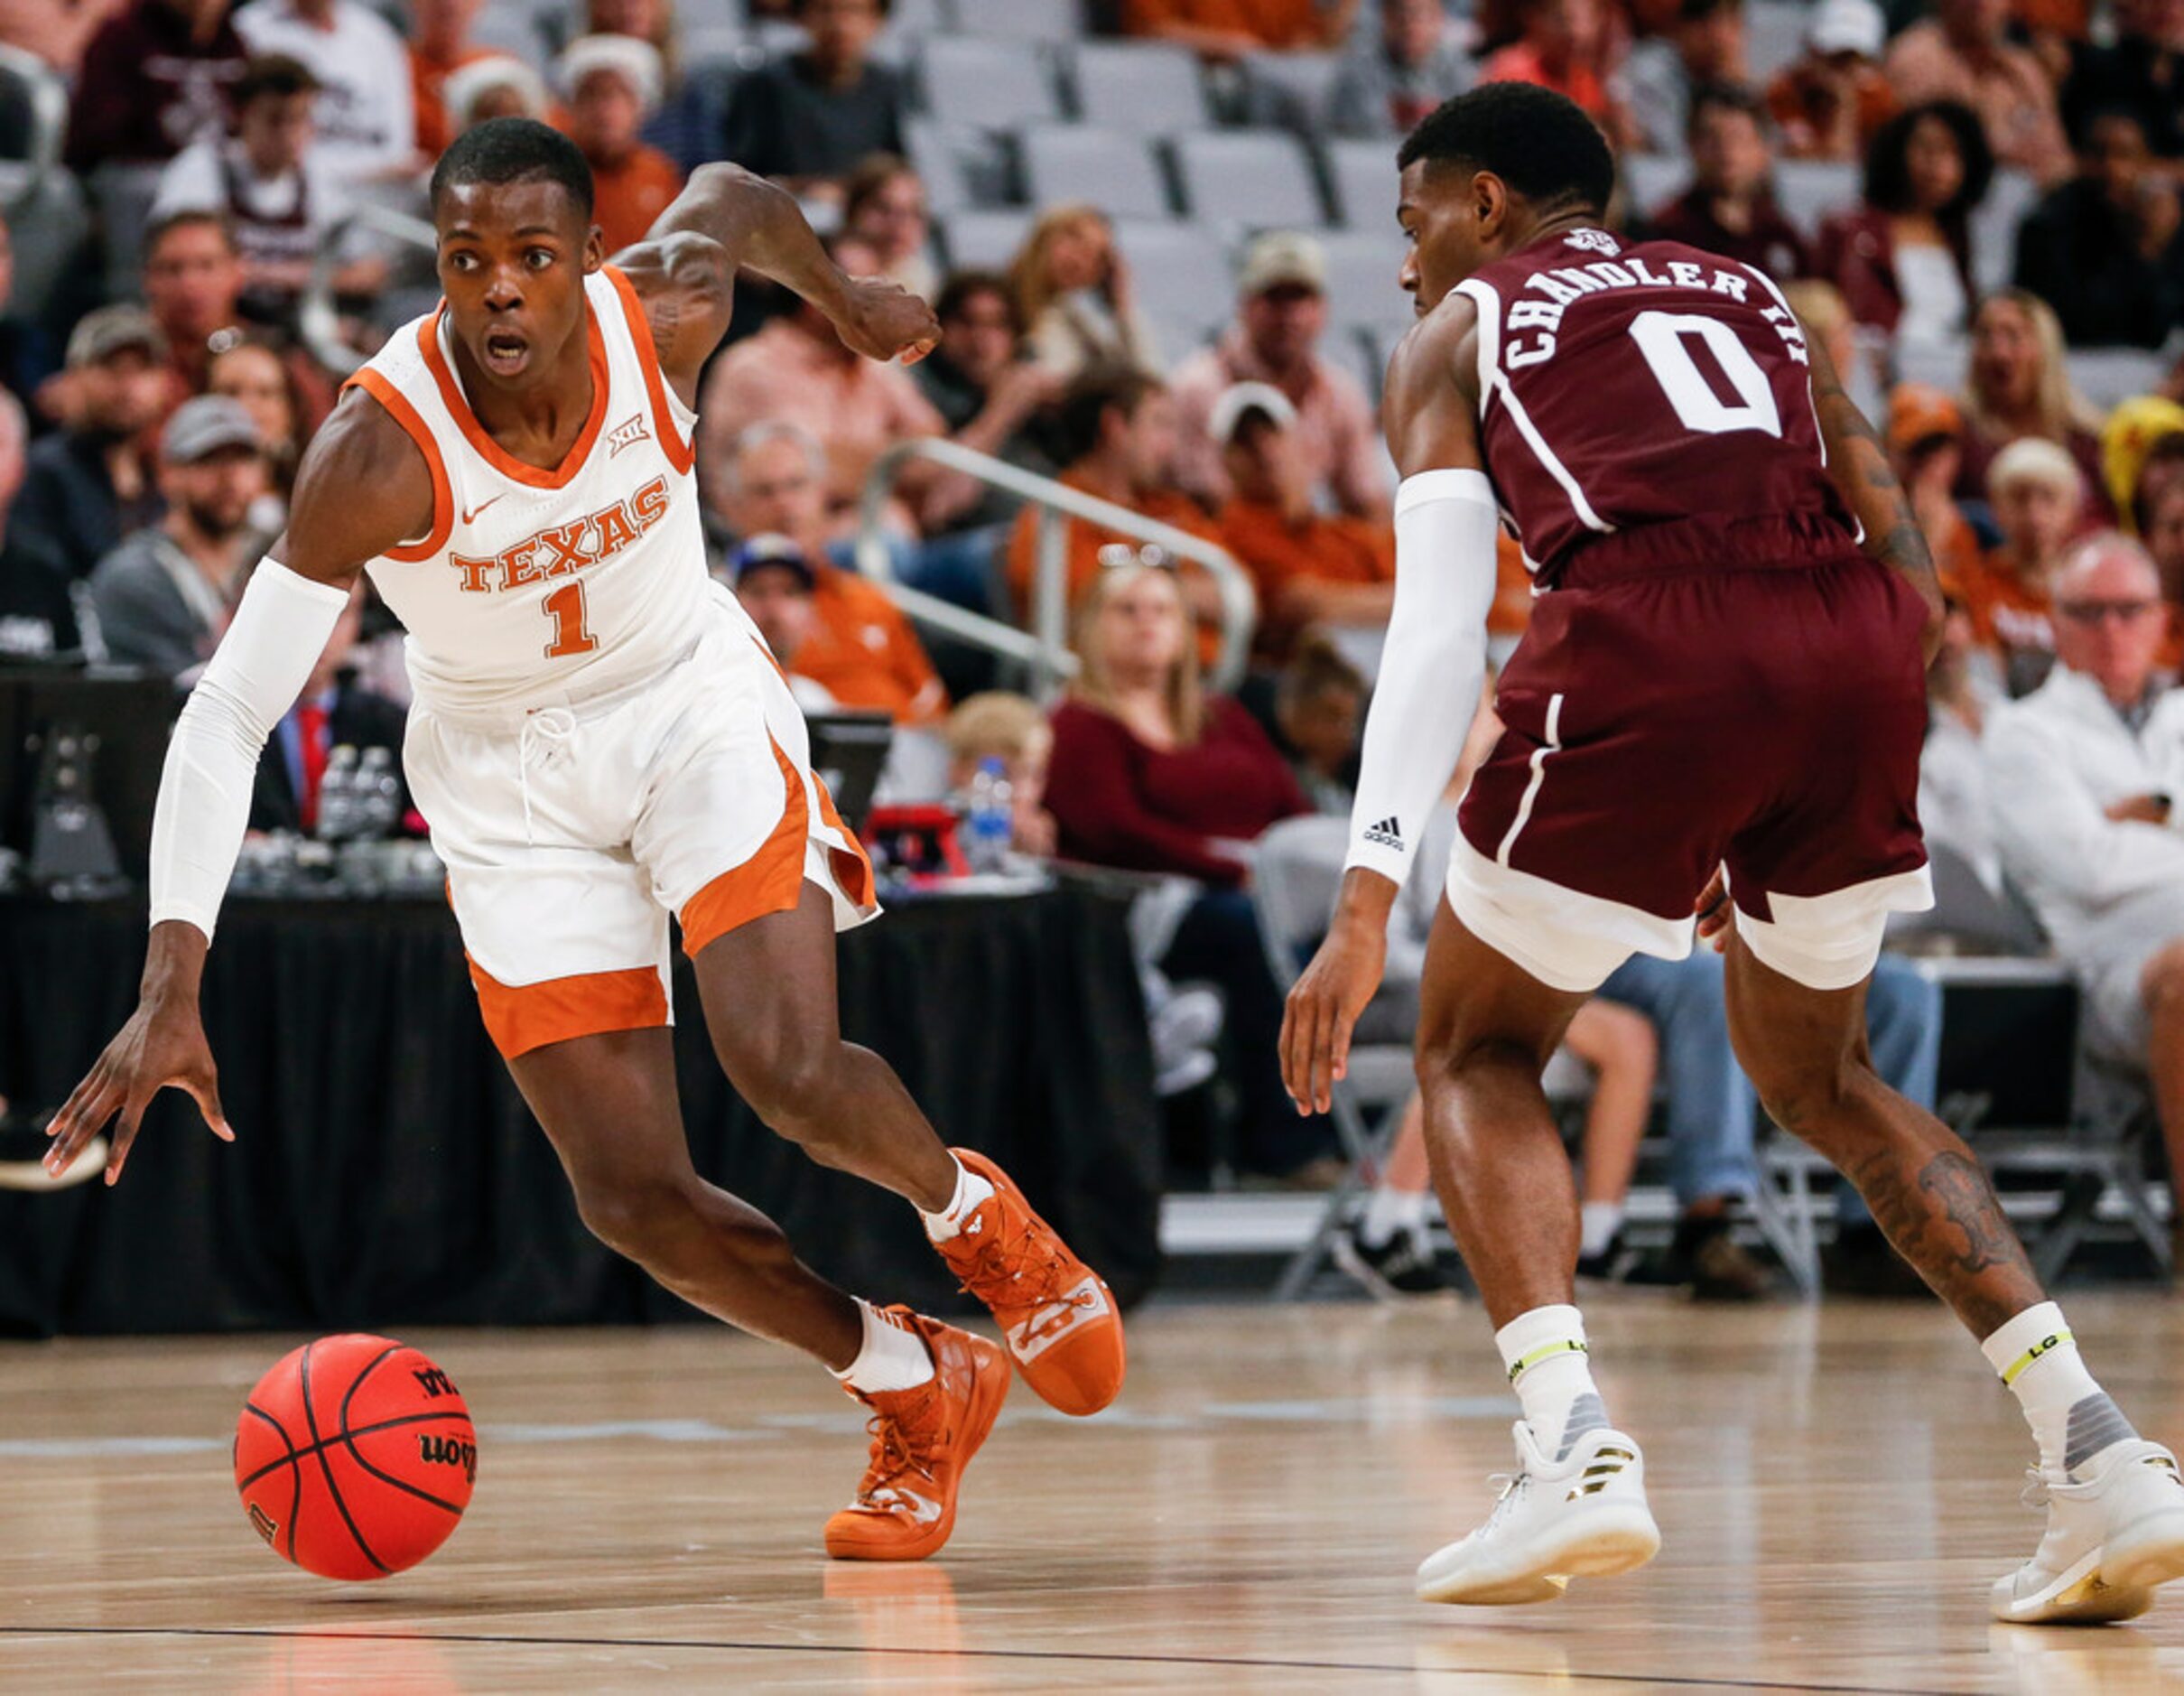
x=1837, y=1487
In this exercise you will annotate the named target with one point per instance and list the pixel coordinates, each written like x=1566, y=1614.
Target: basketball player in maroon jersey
x=1717, y=710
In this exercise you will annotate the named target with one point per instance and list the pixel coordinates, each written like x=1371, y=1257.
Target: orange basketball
x=354, y=1457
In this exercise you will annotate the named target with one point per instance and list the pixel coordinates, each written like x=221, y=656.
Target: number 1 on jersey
x=565, y=607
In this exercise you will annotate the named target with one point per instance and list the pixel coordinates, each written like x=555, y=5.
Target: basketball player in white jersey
x=601, y=739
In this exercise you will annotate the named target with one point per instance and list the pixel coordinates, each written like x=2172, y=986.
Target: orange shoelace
x=902, y=1442
x=1016, y=1274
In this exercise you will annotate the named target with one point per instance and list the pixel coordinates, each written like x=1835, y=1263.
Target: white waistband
x=581, y=703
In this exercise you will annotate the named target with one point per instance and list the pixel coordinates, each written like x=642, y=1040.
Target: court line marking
x=1559, y=1676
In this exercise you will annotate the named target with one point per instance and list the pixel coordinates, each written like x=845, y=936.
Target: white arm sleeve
x=1433, y=666
x=261, y=666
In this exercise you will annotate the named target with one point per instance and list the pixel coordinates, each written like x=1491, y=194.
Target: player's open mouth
x=505, y=352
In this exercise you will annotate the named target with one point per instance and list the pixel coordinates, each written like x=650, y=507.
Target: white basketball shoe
x=1581, y=1516
x=2112, y=1534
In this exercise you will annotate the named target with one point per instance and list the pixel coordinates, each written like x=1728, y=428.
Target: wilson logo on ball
x=433, y=1382
x=448, y=1451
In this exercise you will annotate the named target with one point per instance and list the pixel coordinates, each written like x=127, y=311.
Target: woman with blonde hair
x=1074, y=295
x=2018, y=386
x=1149, y=773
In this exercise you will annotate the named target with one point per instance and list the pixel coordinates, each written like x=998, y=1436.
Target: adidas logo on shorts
x=1388, y=834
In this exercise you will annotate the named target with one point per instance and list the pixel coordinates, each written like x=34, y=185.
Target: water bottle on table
x=988, y=822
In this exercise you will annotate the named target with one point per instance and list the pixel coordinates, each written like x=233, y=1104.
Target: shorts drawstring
x=547, y=734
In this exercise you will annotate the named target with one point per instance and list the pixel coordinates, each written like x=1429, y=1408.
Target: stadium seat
x=1358, y=352
x=516, y=31
x=911, y=20
x=985, y=240
x=2109, y=376
x=1142, y=85
x=1020, y=20
x=691, y=16
x=1943, y=366
x=1363, y=176
x=1113, y=169
x=1288, y=90
x=1774, y=34
x=1361, y=288
x=1808, y=190
x=960, y=167
x=1248, y=180
x=1649, y=181
x=989, y=84
x=34, y=114
x=1181, y=276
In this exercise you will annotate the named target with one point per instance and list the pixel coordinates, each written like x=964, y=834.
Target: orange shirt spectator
x=1828, y=102
x=612, y=84
x=2038, y=496
x=1084, y=542
x=1225, y=29
x=439, y=47
x=864, y=653
x=1566, y=46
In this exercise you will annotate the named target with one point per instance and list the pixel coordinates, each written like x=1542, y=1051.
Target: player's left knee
x=788, y=1079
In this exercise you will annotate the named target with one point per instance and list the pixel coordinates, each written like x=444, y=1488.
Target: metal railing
x=318, y=320
x=1045, y=647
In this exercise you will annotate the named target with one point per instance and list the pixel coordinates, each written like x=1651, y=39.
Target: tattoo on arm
x=1950, y=1193
x=1861, y=468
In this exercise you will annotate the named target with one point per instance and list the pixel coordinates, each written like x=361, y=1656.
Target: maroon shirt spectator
x=1928, y=169
x=1728, y=209
x=154, y=79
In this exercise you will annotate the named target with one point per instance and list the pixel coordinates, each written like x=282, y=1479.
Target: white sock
x=2072, y=1418
x=1546, y=1353
x=1391, y=1211
x=970, y=1190
x=1597, y=1223
x=893, y=1356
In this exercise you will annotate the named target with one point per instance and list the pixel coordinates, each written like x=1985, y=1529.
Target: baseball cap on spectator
x=99, y=336
x=1917, y=413
x=207, y=425
x=495, y=73
x=2034, y=460
x=1239, y=401
x=1280, y=258
x=636, y=62
x=1847, y=26
x=771, y=552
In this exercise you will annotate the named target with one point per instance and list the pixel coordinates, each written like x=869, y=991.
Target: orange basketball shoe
x=922, y=1440
x=1056, y=1314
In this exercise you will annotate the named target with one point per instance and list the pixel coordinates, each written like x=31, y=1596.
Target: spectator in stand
x=2085, y=777
x=1568, y=46
x=494, y=84
x=2162, y=524
x=1831, y=101
x=1961, y=55
x=1390, y=82
x=1281, y=313
x=165, y=594
x=1705, y=49
x=1903, y=259
x=778, y=586
x=683, y=125
x=1076, y=298
x=1319, y=710
x=989, y=397
x=1730, y=207
x=1009, y=728
x=154, y=79
x=1925, y=450
x=2107, y=249
x=38, y=594
x=368, y=127
x=92, y=482
x=612, y=84
x=335, y=710
x=796, y=370
x=860, y=648
x=1224, y=30
x=2141, y=71
x=57, y=33
x=193, y=284
x=1310, y=568
x=883, y=205
x=2017, y=384
x=440, y=46
x=1150, y=774
x=2038, y=496
x=273, y=186
x=251, y=371
x=1954, y=808
x=1826, y=315
x=808, y=118
x=1122, y=425
x=2142, y=445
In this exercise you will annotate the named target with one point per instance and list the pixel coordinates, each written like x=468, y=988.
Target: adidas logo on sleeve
x=1387, y=834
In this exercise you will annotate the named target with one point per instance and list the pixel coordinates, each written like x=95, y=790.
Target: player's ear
x=595, y=251
x=1490, y=203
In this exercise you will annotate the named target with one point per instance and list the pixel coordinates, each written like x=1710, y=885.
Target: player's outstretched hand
x=880, y=319
x=1323, y=1009
x=161, y=1046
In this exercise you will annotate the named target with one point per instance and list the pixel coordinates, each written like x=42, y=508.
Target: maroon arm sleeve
x=1102, y=818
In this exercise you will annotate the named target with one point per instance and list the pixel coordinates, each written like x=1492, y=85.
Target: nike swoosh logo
x=470, y=517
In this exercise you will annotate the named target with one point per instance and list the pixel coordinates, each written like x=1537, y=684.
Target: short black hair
x=1540, y=143
x=1888, y=172
x=515, y=150
x=962, y=287
x=276, y=74
x=1723, y=97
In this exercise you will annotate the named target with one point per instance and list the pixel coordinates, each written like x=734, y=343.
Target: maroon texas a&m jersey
x=1648, y=408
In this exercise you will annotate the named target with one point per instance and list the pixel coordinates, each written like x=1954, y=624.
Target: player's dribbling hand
x=881, y=320
x=1323, y=1009
x=161, y=1046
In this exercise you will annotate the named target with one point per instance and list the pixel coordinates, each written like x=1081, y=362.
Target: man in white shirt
x=368, y=123
x=2084, y=775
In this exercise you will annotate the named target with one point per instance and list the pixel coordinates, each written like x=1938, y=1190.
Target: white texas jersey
x=536, y=587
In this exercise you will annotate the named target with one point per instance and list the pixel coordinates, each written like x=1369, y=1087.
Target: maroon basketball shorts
x=1767, y=721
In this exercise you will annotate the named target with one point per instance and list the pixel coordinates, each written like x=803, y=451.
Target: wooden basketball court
x=1836, y=1484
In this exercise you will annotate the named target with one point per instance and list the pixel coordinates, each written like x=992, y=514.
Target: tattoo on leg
x=1949, y=1190
x=1957, y=1183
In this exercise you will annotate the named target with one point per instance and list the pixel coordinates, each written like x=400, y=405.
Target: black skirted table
x=386, y=1172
